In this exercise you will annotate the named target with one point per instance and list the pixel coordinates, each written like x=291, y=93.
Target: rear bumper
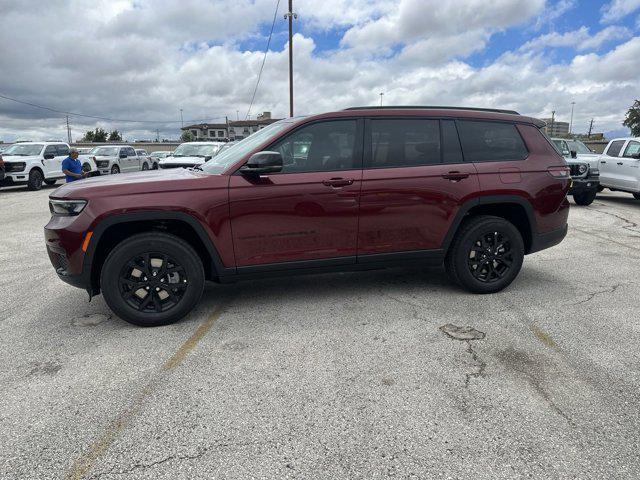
x=541, y=241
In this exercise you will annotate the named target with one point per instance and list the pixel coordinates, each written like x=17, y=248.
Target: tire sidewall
x=36, y=178
x=115, y=170
x=172, y=246
x=462, y=255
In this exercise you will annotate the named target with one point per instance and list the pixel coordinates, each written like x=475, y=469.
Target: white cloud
x=135, y=60
x=618, y=9
x=580, y=39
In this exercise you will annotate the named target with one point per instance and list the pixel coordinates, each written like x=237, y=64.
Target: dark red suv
x=362, y=188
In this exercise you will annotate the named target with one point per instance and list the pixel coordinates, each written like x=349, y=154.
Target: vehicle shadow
x=626, y=200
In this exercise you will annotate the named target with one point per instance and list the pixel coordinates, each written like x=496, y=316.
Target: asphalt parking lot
x=330, y=376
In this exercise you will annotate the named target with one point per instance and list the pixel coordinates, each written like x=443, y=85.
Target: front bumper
x=9, y=179
x=583, y=185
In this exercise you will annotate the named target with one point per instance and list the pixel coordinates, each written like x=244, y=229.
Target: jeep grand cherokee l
x=362, y=188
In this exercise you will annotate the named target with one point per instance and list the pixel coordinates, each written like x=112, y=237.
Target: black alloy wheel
x=152, y=282
x=490, y=257
x=36, y=178
x=152, y=279
x=485, y=255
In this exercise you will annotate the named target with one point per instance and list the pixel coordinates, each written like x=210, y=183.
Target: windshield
x=578, y=146
x=238, y=150
x=561, y=146
x=23, y=150
x=195, y=150
x=104, y=151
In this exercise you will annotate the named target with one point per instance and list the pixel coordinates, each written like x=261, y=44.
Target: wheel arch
x=513, y=208
x=114, y=229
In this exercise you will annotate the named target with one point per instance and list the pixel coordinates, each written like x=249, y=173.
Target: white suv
x=620, y=166
x=35, y=163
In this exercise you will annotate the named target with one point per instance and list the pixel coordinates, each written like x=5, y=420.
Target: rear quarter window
x=484, y=141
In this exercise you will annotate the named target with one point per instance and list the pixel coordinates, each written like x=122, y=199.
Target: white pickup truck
x=35, y=163
x=620, y=166
x=112, y=159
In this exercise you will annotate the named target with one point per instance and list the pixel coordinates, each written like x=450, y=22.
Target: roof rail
x=434, y=107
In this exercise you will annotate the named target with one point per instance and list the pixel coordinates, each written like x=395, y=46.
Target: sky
x=147, y=59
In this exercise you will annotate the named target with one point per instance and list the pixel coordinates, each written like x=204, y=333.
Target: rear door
x=308, y=213
x=630, y=171
x=610, y=171
x=414, y=182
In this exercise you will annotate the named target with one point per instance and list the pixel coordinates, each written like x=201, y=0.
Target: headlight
x=582, y=169
x=66, y=207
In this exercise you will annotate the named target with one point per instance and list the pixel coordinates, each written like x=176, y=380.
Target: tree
x=98, y=135
x=187, y=136
x=115, y=136
x=632, y=119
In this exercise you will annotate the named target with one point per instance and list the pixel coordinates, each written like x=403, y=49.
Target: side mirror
x=48, y=156
x=574, y=154
x=123, y=155
x=262, y=163
x=207, y=158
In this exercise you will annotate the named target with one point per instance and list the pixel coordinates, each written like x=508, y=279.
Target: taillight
x=559, y=172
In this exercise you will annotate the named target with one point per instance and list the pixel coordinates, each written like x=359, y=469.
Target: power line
x=264, y=59
x=74, y=114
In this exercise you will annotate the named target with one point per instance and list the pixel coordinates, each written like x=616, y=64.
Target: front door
x=630, y=168
x=50, y=165
x=62, y=152
x=414, y=182
x=307, y=212
x=610, y=171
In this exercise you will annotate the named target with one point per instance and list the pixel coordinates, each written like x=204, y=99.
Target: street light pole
x=571, y=121
x=290, y=15
x=181, y=119
x=381, y=94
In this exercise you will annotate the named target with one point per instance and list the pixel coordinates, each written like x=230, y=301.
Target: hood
x=186, y=160
x=149, y=181
x=18, y=158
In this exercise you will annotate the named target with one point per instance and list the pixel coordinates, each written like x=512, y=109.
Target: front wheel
x=486, y=254
x=155, y=166
x=35, y=179
x=115, y=169
x=585, y=198
x=145, y=166
x=152, y=279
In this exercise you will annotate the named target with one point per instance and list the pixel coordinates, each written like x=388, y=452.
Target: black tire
x=636, y=196
x=154, y=166
x=121, y=290
x=504, y=256
x=36, y=179
x=51, y=181
x=600, y=188
x=585, y=198
x=86, y=167
x=115, y=169
x=145, y=166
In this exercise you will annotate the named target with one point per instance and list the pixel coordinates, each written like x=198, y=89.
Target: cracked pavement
x=330, y=376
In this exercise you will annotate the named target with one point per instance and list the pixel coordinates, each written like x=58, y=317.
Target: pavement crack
x=630, y=225
x=479, y=368
x=467, y=335
x=592, y=295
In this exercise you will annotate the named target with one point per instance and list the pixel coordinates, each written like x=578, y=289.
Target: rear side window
x=451, y=150
x=632, y=149
x=63, y=150
x=403, y=143
x=50, y=150
x=614, y=148
x=491, y=141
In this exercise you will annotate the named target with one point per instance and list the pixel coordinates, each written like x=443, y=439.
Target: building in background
x=236, y=130
x=554, y=128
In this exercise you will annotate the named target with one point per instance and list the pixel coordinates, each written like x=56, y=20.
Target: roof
x=430, y=107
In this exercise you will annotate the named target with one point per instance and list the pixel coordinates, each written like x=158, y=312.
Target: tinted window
x=490, y=141
x=131, y=152
x=632, y=149
x=451, y=150
x=404, y=143
x=614, y=148
x=63, y=150
x=50, y=150
x=562, y=146
x=319, y=147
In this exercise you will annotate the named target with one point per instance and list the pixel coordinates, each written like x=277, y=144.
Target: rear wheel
x=486, y=254
x=154, y=166
x=145, y=166
x=36, y=178
x=152, y=279
x=115, y=169
x=585, y=198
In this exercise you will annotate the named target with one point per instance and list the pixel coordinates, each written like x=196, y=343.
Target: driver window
x=320, y=147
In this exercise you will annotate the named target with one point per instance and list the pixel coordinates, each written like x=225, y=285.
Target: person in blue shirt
x=72, y=167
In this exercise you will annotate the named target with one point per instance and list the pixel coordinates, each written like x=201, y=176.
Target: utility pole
x=571, y=121
x=237, y=116
x=553, y=120
x=226, y=121
x=590, y=128
x=68, y=131
x=290, y=15
x=381, y=94
x=157, y=135
x=181, y=119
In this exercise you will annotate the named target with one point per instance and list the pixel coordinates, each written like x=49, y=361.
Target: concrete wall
x=148, y=146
